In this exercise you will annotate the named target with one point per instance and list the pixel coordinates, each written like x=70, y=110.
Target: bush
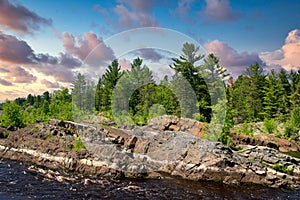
x=247, y=129
x=282, y=168
x=290, y=131
x=78, y=144
x=12, y=115
x=270, y=125
x=295, y=117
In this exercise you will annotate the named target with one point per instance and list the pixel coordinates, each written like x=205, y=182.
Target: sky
x=44, y=44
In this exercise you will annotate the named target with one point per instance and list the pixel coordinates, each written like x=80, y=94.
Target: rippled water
x=19, y=181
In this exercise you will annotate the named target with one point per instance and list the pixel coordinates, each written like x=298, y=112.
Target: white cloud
x=288, y=56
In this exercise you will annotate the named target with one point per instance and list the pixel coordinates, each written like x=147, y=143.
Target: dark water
x=20, y=181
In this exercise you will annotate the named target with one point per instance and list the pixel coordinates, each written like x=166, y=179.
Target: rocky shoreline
x=166, y=145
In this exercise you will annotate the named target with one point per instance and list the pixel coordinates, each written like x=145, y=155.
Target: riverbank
x=22, y=181
x=150, y=151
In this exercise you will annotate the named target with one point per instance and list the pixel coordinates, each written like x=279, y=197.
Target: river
x=22, y=181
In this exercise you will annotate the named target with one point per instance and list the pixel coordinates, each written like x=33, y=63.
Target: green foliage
x=295, y=117
x=78, y=145
x=282, y=168
x=4, y=134
x=225, y=138
x=12, y=115
x=83, y=97
x=49, y=137
x=270, y=125
x=248, y=94
x=290, y=131
x=245, y=129
x=295, y=154
x=185, y=68
x=106, y=85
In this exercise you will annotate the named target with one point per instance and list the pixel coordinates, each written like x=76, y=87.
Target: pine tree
x=79, y=91
x=106, y=85
x=272, y=92
x=185, y=69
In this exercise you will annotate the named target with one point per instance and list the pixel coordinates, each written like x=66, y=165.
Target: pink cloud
x=49, y=84
x=18, y=18
x=125, y=64
x=81, y=48
x=5, y=82
x=288, y=55
x=16, y=74
x=135, y=13
x=183, y=8
x=13, y=50
x=219, y=10
x=231, y=59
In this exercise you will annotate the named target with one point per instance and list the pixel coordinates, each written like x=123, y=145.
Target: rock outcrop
x=267, y=140
x=161, y=147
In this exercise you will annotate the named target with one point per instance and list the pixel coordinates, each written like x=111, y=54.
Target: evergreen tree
x=184, y=66
x=284, y=93
x=79, y=91
x=106, y=85
x=271, y=90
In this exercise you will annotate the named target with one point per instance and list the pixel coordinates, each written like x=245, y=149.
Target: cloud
x=81, y=48
x=46, y=58
x=135, y=13
x=183, y=8
x=149, y=54
x=61, y=70
x=69, y=61
x=13, y=50
x=125, y=64
x=234, y=61
x=101, y=10
x=18, y=18
x=219, y=11
x=49, y=84
x=288, y=55
x=5, y=82
x=16, y=74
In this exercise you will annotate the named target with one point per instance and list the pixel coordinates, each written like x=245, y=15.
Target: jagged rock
x=134, y=153
x=174, y=123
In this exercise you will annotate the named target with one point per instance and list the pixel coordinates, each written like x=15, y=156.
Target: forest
x=134, y=97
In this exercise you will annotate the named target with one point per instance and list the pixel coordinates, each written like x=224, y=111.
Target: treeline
x=199, y=88
x=24, y=111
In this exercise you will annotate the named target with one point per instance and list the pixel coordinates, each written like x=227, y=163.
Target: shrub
x=270, y=125
x=247, y=129
x=78, y=144
x=12, y=115
x=295, y=117
x=282, y=168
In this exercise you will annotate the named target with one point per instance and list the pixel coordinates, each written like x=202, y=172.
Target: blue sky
x=48, y=41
